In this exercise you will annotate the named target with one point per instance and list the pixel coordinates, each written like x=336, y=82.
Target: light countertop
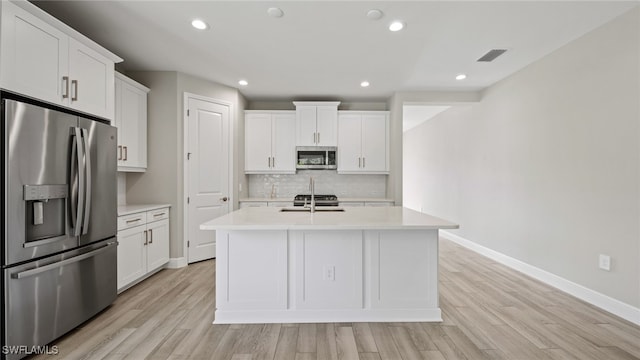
x=136, y=208
x=340, y=199
x=353, y=218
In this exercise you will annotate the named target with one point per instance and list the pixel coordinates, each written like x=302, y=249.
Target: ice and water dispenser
x=45, y=212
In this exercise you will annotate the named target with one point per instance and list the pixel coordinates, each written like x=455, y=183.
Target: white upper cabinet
x=131, y=121
x=363, y=142
x=33, y=56
x=270, y=142
x=44, y=59
x=316, y=123
x=91, y=81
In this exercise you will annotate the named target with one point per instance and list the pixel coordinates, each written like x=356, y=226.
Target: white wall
x=163, y=180
x=546, y=168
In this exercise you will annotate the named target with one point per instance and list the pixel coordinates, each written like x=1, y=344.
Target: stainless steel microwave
x=316, y=157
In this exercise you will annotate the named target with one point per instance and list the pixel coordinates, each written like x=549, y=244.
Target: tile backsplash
x=327, y=182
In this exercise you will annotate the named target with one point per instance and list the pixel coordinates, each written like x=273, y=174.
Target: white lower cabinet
x=143, y=245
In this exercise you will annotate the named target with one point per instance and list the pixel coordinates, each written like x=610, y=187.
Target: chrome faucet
x=313, y=197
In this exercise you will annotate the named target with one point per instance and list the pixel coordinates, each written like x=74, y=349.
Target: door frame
x=185, y=168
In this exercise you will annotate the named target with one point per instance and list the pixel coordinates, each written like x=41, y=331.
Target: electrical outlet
x=329, y=272
x=604, y=262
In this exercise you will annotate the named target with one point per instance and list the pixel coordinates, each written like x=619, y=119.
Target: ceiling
x=324, y=49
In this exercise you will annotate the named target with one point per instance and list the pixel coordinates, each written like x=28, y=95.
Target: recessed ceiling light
x=461, y=77
x=275, y=12
x=374, y=14
x=396, y=26
x=243, y=82
x=199, y=24
x=364, y=84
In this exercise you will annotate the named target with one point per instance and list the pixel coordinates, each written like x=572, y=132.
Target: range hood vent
x=491, y=55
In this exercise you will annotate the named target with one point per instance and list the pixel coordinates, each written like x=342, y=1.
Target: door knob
x=224, y=199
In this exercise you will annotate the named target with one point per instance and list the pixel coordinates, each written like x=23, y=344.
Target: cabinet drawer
x=131, y=220
x=159, y=214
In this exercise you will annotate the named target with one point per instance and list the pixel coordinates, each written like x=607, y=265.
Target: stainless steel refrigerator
x=59, y=223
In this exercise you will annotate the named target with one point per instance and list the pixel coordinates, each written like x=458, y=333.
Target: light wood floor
x=490, y=312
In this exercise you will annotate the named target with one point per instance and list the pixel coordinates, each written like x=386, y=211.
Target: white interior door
x=207, y=173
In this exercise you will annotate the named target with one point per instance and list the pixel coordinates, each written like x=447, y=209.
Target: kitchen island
x=361, y=264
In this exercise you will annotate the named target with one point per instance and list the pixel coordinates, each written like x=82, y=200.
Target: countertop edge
x=324, y=227
x=339, y=200
x=137, y=208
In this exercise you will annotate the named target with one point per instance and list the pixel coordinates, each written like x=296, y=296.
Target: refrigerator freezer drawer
x=47, y=298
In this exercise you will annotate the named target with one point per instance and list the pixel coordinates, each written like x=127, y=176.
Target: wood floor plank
x=287, y=342
x=404, y=343
x=306, y=356
x=307, y=339
x=364, y=338
x=489, y=312
x=267, y=343
x=327, y=348
x=346, y=343
x=369, y=356
x=384, y=342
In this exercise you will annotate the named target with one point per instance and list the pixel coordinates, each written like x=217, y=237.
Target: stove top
x=321, y=200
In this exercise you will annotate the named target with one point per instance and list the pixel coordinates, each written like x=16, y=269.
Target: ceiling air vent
x=491, y=55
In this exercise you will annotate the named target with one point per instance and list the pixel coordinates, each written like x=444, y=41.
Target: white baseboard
x=592, y=297
x=176, y=263
x=270, y=316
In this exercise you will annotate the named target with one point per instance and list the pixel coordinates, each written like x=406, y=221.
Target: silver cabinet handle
x=74, y=85
x=146, y=238
x=364, y=164
x=126, y=153
x=159, y=214
x=273, y=162
x=318, y=138
x=269, y=161
x=150, y=236
x=359, y=162
x=65, y=80
x=119, y=152
x=41, y=269
x=134, y=220
x=314, y=138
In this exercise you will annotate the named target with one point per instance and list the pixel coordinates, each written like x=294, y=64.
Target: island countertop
x=362, y=218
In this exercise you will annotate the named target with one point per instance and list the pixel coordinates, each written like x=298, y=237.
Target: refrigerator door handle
x=41, y=269
x=87, y=189
x=77, y=181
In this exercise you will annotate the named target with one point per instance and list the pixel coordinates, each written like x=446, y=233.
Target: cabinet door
x=349, y=143
x=305, y=125
x=283, y=143
x=131, y=119
x=257, y=154
x=374, y=143
x=327, y=125
x=92, y=81
x=158, y=245
x=33, y=56
x=132, y=255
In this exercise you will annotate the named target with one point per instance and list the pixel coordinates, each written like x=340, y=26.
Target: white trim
x=177, y=263
x=592, y=297
x=185, y=175
x=270, y=316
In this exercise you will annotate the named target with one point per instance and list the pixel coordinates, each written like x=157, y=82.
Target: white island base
x=301, y=272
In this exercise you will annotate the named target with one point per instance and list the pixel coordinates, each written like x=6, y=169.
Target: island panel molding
x=365, y=264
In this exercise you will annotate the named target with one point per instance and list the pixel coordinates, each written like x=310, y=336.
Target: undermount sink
x=318, y=209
